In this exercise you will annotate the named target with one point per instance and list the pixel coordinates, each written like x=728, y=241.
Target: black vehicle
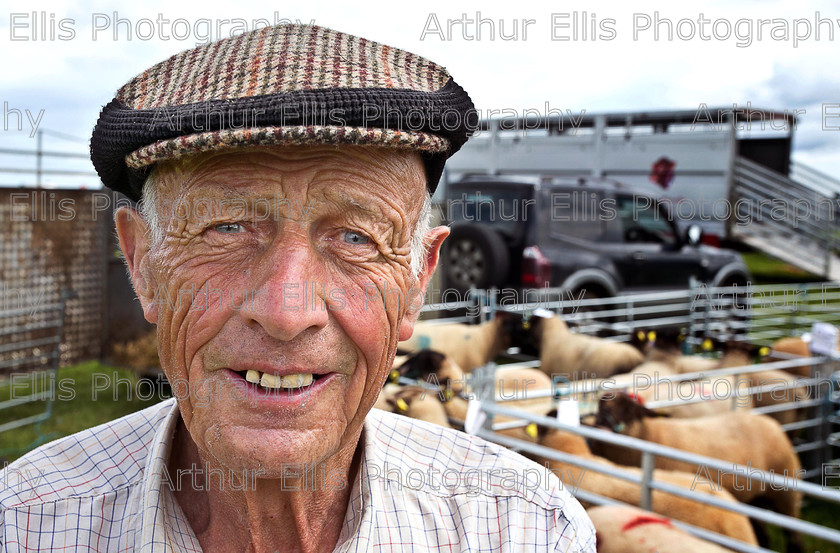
x=591, y=237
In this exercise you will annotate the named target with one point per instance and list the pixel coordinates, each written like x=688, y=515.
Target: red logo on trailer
x=662, y=172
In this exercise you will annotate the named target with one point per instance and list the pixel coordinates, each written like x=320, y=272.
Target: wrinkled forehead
x=345, y=174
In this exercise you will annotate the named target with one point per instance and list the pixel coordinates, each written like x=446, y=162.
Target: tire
x=475, y=256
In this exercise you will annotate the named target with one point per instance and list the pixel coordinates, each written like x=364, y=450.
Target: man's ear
x=134, y=243
x=434, y=238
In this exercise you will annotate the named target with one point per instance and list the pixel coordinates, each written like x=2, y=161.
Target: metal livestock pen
x=756, y=314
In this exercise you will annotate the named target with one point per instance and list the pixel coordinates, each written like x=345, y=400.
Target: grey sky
x=72, y=77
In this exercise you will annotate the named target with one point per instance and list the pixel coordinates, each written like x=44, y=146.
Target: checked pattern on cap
x=272, y=60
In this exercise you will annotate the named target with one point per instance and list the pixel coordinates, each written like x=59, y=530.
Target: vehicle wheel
x=475, y=256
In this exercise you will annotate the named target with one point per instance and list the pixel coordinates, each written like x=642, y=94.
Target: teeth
x=272, y=381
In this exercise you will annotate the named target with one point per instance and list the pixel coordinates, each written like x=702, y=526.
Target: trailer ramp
x=787, y=219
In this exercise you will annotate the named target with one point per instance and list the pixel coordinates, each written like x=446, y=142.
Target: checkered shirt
x=420, y=488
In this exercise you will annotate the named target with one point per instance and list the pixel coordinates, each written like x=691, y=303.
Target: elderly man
x=281, y=246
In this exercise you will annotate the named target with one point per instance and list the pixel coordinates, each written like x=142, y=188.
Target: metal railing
x=36, y=359
x=82, y=173
x=758, y=314
x=493, y=405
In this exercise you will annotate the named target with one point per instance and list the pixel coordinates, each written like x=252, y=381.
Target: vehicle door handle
x=638, y=256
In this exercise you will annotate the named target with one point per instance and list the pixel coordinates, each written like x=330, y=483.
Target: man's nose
x=287, y=294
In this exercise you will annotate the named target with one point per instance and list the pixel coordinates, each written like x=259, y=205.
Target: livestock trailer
x=728, y=170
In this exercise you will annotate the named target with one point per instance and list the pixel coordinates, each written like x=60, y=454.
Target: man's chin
x=274, y=453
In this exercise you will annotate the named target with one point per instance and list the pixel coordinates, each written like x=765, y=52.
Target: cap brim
x=229, y=139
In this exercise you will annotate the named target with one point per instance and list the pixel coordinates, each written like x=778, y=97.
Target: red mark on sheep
x=636, y=397
x=644, y=519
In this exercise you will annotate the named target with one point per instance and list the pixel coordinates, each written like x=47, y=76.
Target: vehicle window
x=504, y=210
x=576, y=213
x=643, y=221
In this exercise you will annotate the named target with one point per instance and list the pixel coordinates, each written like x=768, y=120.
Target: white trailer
x=727, y=169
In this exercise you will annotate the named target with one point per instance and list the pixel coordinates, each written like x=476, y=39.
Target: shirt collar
x=165, y=527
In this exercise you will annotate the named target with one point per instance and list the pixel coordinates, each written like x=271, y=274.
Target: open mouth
x=273, y=383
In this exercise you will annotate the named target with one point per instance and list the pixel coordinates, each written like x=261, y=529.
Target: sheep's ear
x=416, y=364
x=645, y=413
x=422, y=363
x=435, y=359
x=408, y=366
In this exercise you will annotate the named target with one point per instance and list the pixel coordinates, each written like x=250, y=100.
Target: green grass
x=86, y=395
x=766, y=269
x=819, y=512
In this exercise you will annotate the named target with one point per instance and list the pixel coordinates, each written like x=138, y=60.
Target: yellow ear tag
x=707, y=345
x=448, y=394
x=640, y=336
x=394, y=376
x=764, y=351
x=531, y=430
x=402, y=405
x=651, y=336
x=526, y=325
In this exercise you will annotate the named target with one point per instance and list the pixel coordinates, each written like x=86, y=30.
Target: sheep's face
x=512, y=331
x=435, y=368
x=669, y=340
x=620, y=411
x=529, y=335
x=736, y=354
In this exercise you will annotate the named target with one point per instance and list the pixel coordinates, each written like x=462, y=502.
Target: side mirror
x=693, y=234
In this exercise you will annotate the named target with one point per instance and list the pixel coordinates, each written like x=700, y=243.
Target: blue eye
x=352, y=237
x=229, y=228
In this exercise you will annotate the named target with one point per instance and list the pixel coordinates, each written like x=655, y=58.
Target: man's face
x=285, y=261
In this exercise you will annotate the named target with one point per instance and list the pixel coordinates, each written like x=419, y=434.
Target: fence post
x=826, y=377
x=475, y=296
x=39, y=157
x=486, y=392
x=646, y=501
x=695, y=285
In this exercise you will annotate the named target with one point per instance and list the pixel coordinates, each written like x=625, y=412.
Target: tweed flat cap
x=281, y=85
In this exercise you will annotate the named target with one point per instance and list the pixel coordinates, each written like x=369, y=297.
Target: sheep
x=438, y=369
x=792, y=345
x=664, y=346
x=645, y=381
x=417, y=403
x=469, y=346
x=620, y=529
x=577, y=355
x=738, y=354
x=388, y=391
x=706, y=516
x=743, y=438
